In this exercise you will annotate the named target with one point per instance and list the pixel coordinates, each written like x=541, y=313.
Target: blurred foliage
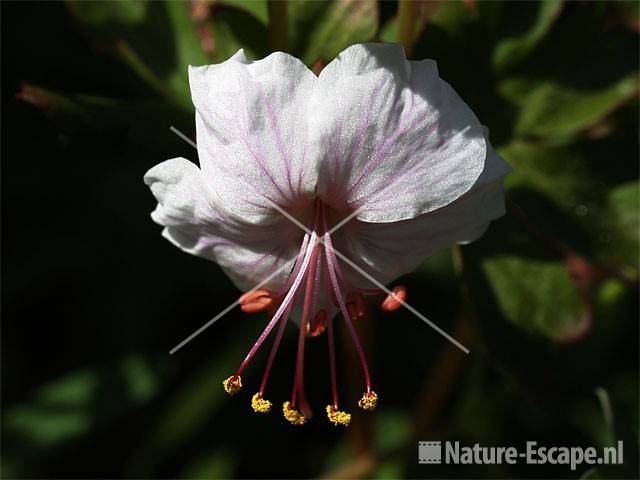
x=93, y=298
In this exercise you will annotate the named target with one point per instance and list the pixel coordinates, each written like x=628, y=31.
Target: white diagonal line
x=344, y=220
x=183, y=136
x=343, y=257
x=450, y=139
x=402, y=302
x=289, y=216
x=228, y=309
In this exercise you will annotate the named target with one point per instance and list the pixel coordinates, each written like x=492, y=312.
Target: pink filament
x=283, y=306
x=331, y=260
x=296, y=268
x=274, y=350
x=332, y=364
x=298, y=394
x=332, y=265
x=317, y=270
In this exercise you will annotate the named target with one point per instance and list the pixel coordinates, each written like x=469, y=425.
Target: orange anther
x=318, y=325
x=394, y=302
x=255, y=301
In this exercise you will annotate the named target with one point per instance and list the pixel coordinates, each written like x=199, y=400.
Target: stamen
x=292, y=415
x=296, y=268
x=395, y=300
x=338, y=417
x=332, y=364
x=256, y=301
x=233, y=384
x=274, y=350
x=369, y=401
x=259, y=404
x=316, y=269
x=332, y=266
x=298, y=384
x=283, y=306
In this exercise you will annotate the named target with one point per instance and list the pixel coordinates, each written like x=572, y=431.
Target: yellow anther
x=233, y=384
x=369, y=401
x=338, y=417
x=259, y=404
x=292, y=415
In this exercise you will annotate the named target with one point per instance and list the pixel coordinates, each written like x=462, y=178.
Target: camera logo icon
x=429, y=452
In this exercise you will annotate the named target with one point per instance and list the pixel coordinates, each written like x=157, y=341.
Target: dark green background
x=93, y=298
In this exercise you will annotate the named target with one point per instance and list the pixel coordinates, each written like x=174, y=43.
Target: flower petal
x=252, y=132
x=394, y=138
x=196, y=221
x=389, y=250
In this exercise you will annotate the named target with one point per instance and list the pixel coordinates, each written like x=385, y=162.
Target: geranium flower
x=374, y=136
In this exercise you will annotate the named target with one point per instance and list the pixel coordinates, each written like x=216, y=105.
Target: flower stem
x=278, y=25
x=406, y=24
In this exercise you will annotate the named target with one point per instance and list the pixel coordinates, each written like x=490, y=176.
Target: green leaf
x=145, y=123
x=522, y=28
x=257, y=8
x=393, y=429
x=234, y=29
x=579, y=73
x=560, y=173
x=592, y=474
x=454, y=18
x=321, y=30
x=538, y=296
x=389, y=469
x=186, y=412
x=71, y=406
x=389, y=31
x=158, y=40
x=219, y=464
x=455, y=38
x=554, y=110
x=122, y=12
x=610, y=415
x=585, y=209
x=624, y=221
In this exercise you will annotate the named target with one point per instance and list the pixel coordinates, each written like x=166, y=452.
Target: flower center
x=316, y=278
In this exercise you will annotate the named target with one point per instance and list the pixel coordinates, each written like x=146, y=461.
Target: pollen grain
x=292, y=415
x=233, y=384
x=259, y=404
x=338, y=417
x=369, y=401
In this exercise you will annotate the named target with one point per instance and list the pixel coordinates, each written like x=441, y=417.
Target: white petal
x=389, y=250
x=394, y=138
x=252, y=132
x=197, y=222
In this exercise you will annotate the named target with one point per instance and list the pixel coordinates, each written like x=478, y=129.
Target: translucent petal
x=198, y=222
x=394, y=138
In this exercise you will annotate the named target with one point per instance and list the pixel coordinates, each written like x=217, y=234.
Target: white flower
x=373, y=133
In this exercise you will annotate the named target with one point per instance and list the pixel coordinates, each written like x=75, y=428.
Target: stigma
x=316, y=275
